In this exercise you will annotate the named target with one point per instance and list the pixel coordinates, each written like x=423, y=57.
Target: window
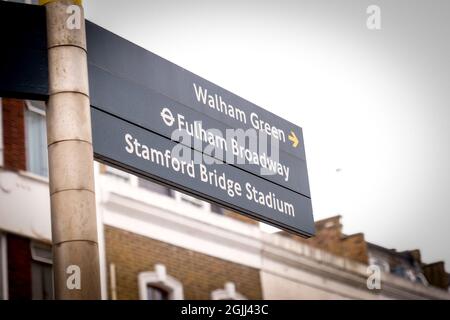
x=3, y=268
x=410, y=274
x=155, y=293
x=116, y=173
x=154, y=187
x=193, y=201
x=36, y=138
x=158, y=285
x=41, y=272
x=420, y=277
x=185, y=198
x=42, y=281
x=227, y=293
x=377, y=261
x=216, y=209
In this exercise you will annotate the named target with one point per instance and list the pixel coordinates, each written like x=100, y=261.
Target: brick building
x=156, y=243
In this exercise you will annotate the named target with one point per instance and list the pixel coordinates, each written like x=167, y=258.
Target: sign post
x=70, y=153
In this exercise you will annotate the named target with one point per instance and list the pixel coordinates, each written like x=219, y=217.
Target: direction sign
x=144, y=108
x=156, y=112
x=126, y=60
x=23, y=56
x=142, y=152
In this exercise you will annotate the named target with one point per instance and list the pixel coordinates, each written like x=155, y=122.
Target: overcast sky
x=374, y=104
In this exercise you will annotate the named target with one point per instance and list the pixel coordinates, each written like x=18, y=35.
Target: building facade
x=156, y=243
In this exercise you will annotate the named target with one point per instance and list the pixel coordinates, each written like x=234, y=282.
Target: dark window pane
x=154, y=187
x=155, y=293
x=41, y=281
x=216, y=209
x=36, y=142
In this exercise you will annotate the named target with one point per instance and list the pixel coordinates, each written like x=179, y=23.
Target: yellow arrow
x=292, y=137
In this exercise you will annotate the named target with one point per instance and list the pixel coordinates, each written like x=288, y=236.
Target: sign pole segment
x=70, y=154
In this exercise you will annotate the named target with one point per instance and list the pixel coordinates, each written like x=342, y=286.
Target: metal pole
x=70, y=154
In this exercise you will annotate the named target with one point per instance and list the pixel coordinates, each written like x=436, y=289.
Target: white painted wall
x=25, y=205
x=279, y=288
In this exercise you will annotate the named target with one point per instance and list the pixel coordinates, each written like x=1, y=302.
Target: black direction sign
x=23, y=53
x=142, y=152
x=126, y=60
x=156, y=112
x=136, y=92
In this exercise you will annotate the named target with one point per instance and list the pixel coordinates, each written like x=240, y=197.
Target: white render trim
x=160, y=278
x=34, y=248
x=102, y=255
x=25, y=208
x=33, y=176
x=227, y=293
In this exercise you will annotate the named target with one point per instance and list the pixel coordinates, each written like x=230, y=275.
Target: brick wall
x=14, y=134
x=436, y=275
x=355, y=247
x=200, y=274
x=329, y=237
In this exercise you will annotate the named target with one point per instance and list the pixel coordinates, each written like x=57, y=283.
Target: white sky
x=374, y=104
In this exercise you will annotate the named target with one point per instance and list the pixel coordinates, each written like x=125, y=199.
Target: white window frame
x=160, y=279
x=117, y=173
x=380, y=262
x=227, y=293
x=35, y=246
x=423, y=279
x=192, y=201
x=30, y=107
x=37, y=257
